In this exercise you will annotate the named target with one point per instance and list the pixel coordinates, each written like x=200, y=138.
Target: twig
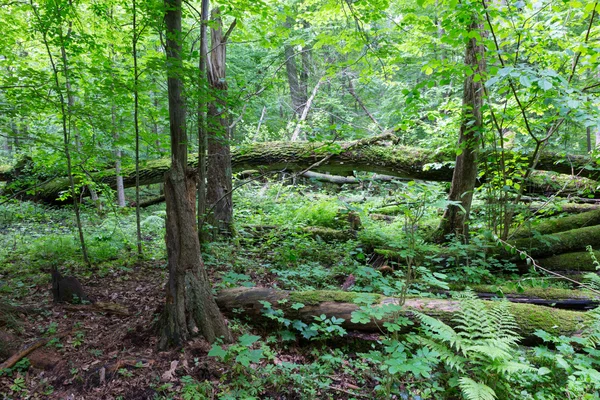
x=536, y=265
x=29, y=349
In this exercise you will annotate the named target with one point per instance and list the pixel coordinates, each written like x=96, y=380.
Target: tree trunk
x=136, y=126
x=298, y=87
x=65, y=113
x=118, y=154
x=219, y=179
x=529, y=317
x=588, y=218
x=189, y=302
x=400, y=161
x=202, y=106
x=455, y=218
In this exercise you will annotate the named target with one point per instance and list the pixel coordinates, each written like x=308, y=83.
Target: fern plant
x=481, y=348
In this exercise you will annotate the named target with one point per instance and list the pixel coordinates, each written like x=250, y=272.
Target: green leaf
x=217, y=351
x=544, y=84
x=248, y=340
x=525, y=81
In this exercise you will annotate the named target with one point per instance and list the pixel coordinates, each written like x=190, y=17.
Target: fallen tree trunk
x=341, y=305
x=558, y=243
x=549, y=226
x=574, y=261
x=340, y=158
x=551, y=297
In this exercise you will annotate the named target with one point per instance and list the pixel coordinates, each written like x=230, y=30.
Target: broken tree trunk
x=341, y=305
x=456, y=217
x=398, y=161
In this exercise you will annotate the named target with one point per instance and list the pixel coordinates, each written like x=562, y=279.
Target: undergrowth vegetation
x=476, y=355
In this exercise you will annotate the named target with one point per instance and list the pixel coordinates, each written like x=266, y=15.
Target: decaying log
x=562, y=224
x=552, y=297
x=110, y=308
x=326, y=234
x=560, y=243
x=339, y=158
x=574, y=261
x=15, y=358
x=341, y=305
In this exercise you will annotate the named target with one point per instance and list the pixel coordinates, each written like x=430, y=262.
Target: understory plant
x=479, y=352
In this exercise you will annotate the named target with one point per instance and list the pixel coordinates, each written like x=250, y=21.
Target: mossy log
x=326, y=234
x=559, y=243
x=340, y=158
x=342, y=304
x=551, y=297
x=562, y=224
x=575, y=261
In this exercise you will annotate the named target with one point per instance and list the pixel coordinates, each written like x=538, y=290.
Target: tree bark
x=529, y=317
x=219, y=173
x=399, y=161
x=202, y=107
x=455, y=218
x=558, y=243
x=189, y=302
x=298, y=87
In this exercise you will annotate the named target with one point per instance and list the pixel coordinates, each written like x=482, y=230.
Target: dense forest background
x=299, y=199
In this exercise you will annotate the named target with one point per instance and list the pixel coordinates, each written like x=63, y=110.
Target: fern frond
x=473, y=390
x=446, y=354
x=511, y=367
x=439, y=330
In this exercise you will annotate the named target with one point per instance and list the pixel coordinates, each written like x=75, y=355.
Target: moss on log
x=575, y=261
x=342, y=159
x=562, y=224
x=559, y=243
x=341, y=305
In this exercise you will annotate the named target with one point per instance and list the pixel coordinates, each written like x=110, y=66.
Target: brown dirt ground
x=123, y=346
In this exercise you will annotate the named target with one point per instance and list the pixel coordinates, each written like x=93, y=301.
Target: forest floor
x=123, y=348
x=93, y=354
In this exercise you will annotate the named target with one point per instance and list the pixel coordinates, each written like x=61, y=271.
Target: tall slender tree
x=136, y=124
x=55, y=15
x=456, y=216
x=202, y=102
x=189, y=306
x=219, y=180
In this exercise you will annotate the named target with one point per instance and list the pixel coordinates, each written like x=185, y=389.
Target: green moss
x=563, y=224
x=559, y=322
x=576, y=261
x=559, y=243
x=329, y=234
x=314, y=297
x=537, y=292
x=388, y=210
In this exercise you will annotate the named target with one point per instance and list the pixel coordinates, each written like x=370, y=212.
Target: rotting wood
x=110, y=308
x=529, y=317
x=15, y=358
x=341, y=159
x=562, y=224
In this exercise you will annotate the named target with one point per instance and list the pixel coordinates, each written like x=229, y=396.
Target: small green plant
x=78, y=338
x=240, y=352
x=481, y=351
x=194, y=390
x=21, y=366
x=125, y=373
x=592, y=279
x=19, y=386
